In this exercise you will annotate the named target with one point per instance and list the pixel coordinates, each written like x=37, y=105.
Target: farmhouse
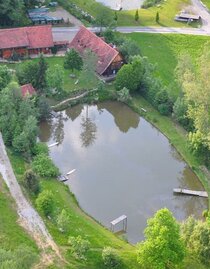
x=26, y=41
x=109, y=59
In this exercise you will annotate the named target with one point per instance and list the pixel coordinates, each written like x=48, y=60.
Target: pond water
x=124, y=4
x=123, y=165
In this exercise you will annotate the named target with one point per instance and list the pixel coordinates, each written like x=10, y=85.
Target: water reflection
x=122, y=167
x=89, y=129
x=122, y=118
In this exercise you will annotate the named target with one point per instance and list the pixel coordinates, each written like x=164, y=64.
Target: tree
x=157, y=18
x=123, y=95
x=73, y=60
x=103, y=18
x=11, y=12
x=196, y=236
x=5, y=76
x=44, y=166
x=115, y=16
x=27, y=73
x=129, y=48
x=41, y=74
x=31, y=181
x=45, y=202
x=110, y=258
x=88, y=73
x=55, y=79
x=25, y=142
x=196, y=88
x=130, y=75
x=163, y=247
x=63, y=221
x=137, y=15
x=43, y=108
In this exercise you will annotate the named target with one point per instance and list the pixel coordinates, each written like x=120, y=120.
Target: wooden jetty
x=191, y=192
x=122, y=219
x=63, y=178
x=52, y=145
x=70, y=172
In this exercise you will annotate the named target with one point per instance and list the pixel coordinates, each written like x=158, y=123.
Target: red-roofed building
x=109, y=59
x=26, y=41
x=27, y=90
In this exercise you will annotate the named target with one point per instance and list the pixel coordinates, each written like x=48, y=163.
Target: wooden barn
x=109, y=59
x=26, y=41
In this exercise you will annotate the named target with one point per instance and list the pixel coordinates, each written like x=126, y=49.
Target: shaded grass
x=164, y=51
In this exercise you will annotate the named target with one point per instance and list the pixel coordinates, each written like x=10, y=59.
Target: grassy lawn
x=206, y=2
x=164, y=50
x=12, y=234
x=167, y=12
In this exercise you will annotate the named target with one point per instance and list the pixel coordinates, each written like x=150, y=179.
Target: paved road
x=203, y=12
x=68, y=33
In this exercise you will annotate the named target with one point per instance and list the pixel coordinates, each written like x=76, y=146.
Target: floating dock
x=191, y=192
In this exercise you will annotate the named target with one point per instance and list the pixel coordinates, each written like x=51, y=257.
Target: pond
x=123, y=165
x=124, y=4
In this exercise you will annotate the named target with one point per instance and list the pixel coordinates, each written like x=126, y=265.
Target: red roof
x=31, y=37
x=85, y=39
x=27, y=89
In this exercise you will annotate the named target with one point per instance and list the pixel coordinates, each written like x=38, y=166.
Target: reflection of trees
x=74, y=112
x=58, y=132
x=124, y=117
x=89, y=129
x=45, y=130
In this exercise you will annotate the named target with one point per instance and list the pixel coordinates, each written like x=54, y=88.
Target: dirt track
x=29, y=218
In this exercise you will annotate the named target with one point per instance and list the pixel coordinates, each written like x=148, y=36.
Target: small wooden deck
x=191, y=192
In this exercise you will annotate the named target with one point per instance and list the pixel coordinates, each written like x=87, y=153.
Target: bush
x=123, y=95
x=63, y=221
x=44, y=166
x=31, y=181
x=180, y=114
x=79, y=246
x=45, y=202
x=150, y=3
x=41, y=148
x=110, y=257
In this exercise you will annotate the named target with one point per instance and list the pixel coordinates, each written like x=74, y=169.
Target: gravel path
x=203, y=12
x=29, y=218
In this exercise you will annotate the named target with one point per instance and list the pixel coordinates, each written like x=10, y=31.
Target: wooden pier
x=191, y=192
x=122, y=219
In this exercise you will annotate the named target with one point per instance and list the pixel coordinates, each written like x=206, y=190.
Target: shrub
x=44, y=166
x=63, y=221
x=79, y=246
x=110, y=257
x=31, y=181
x=123, y=95
x=41, y=148
x=45, y=202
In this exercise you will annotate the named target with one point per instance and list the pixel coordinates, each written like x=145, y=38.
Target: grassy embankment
x=12, y=234
x=167, y=12
x=207, y=3
x=81, y=224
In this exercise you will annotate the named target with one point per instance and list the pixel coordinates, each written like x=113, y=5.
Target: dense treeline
x=13, y=12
